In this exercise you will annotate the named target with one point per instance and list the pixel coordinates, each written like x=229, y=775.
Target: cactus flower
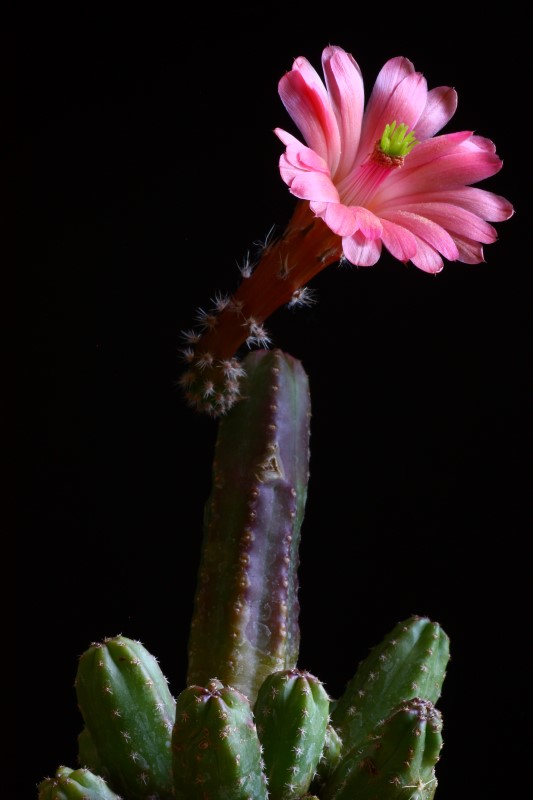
x=364, y=178
x=380, y=176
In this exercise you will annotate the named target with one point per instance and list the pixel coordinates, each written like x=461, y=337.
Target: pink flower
x=380, y=176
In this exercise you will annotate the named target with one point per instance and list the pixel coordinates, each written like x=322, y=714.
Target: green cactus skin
x=88, y=754
x=291, y=713
x=128, y=713
x=79, y=784
x=410, y=662
x=215, y=747
x=397, y=762
x=329, y=759
x=245, y=620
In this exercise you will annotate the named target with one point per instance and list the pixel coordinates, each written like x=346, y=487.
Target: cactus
x=245, y=621
x=396, y=762
x=409, y=662
x=128, y=713
x=215, y=747
x=291, y=712
x=329, y=758
x=79, y=784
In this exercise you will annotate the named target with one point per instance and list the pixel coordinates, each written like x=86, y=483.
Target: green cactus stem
x=291, y=713
x=216, y=750
x=128, y=713
x=329, y=759
x=79, y=784
x=245, y=620
x=397, y=762
x=410, y=662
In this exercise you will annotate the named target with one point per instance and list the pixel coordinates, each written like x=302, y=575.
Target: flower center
x=389, y=153
x=394, y=145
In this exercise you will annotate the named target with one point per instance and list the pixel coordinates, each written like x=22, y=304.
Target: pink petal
x=297, y=155
x=367, y=222
x=346, y=91
x=340, y=218
x=455, y=219
x=360, y=251
x=400, y=242
x=427, y=230
x=469, y=252
x=308, y=185
x=426, y=258
x=440, y=107
x=404, y=103
x=484, y=204
x=452, y=171
x=310, y=109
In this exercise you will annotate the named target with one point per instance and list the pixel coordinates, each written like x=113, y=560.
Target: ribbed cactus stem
x=128, y=713
x=216, y=750
x=397, y=762
x=409, y=662
x=291, y=713
x=79, y=784
x=245, y=621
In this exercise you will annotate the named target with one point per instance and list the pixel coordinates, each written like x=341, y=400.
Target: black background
x=151, y=169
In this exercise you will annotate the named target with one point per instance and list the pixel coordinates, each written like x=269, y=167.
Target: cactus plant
x=79, y=784
x=397, y=761
x=215, y=747
x=251, y=722
x=245, y=623
x=291, y=712
x=128, y=712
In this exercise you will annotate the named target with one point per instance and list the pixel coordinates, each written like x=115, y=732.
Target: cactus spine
x=245, y=621
x=79, y=784
x=128, y=712
x=397, y=763
x=216, y=750
x=409, y=662
x=291, y=712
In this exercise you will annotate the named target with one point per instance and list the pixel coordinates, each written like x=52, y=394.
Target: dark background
x=151, y=169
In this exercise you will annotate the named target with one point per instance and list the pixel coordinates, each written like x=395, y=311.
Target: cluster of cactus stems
x=250, y=722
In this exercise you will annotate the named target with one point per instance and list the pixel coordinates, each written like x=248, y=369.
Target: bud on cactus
x=410, y=662
x=216, y=750
x=397, y=763
x=245, y=621
x=80, y=784
x=291, y=712
x=128, y=712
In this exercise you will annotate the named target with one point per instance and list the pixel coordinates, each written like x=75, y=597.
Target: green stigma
x=396, y=142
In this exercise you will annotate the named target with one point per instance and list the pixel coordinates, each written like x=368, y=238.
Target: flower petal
x=304, y=96
x=308, y=185
x=427, y=258
x=340, y=218
x=441, y=105
x=404, y=105
x=486, y=205
x=427, y=230
x=400, y=242
x=456, y=220
x=469, y=252
x=361, y=251
x=346, y=91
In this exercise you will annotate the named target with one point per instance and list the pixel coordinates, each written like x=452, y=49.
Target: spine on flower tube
x=409, y=662
x=216, y=752
x=245, y=622
x=128, y=713
x=79, y=784
x=398, y=760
